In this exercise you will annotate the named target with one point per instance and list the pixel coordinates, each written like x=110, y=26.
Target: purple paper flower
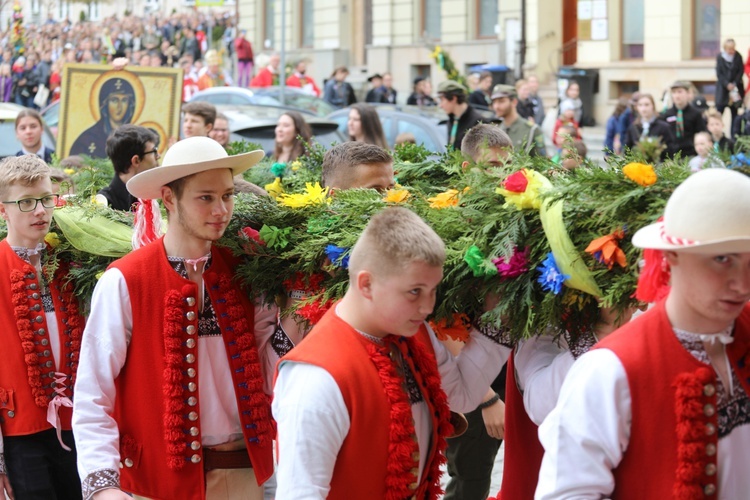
x=551, y=278
x=515, y=266
x=338, y=256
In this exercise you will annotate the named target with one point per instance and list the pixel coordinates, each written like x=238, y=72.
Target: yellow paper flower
x=396, y=196
x=527, y=199
x=444, y=200
x=296, y=164
x=640, y=173
x=69, y=171
x=314, y=195
x=437, y=51
x=275, y=188
x=52, y=240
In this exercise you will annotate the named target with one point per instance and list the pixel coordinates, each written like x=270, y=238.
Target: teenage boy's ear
x=363, y=282
x=168, y=198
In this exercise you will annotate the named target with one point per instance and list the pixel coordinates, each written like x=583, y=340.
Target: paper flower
x=446, y=199
x=478, y=263
x=740, y=160
x=274, y=237
x=278, y=169
x=551, y=278
x=308, y=283
x=252, y=234
x=516, y=265
x=640, y=173
x=516, y=182
x=459, y=328
x=69, y=171
x=607, y=251
x=338, y=256
x=314, y=195
x=275, y=189
x=52, y=239
x=296, y=165
x=520, y=196
x=396, y=196
x=314, y=311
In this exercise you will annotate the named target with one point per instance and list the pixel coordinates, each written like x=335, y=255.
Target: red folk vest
x=360, y=470
x=21, y=310
x=523, y=451
x=674, y=435
x=159, y=443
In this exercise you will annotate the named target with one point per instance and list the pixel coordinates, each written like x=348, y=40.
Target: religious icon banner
x=96, y=99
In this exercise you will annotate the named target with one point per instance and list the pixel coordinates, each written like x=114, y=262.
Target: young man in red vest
x=660, y=408
x=361, y=403
x=40, y=335
x=176, y=361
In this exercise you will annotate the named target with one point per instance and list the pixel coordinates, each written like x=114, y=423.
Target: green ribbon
x=274, y=237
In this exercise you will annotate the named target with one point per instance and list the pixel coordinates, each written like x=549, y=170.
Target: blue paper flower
x=551, y=278
x=338, y=256
x=740, y=160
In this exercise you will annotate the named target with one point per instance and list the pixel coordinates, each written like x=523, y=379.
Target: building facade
x=646, y=45
x=633, y=44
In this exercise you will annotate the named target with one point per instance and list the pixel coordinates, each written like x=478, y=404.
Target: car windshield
x=302, y=101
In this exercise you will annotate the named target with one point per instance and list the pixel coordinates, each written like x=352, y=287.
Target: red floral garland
x=691, y=433
x=173, y=391
x=401, y=444
x=23, y=323
x=259, y=402
x=69, y=315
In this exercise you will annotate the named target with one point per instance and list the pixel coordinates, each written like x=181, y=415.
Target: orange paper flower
x=459, y=329
x=640, y=173
x=607, y=251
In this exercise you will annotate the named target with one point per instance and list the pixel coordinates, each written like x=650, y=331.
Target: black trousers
x=40, y=469
x=471, y=456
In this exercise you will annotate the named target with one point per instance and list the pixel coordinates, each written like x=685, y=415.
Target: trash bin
x=588, y=82
x=499, y=72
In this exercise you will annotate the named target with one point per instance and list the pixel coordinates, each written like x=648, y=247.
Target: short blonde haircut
x=394, y=239
x=25, y=170
x=713, y=113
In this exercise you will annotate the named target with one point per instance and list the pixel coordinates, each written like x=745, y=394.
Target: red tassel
x=653, y=281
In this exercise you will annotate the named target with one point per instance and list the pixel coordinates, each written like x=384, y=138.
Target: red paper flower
x=314, y=311
x=252, y=234
x=516, y=183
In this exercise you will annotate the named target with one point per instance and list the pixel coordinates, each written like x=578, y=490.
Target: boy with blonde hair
x=40, y=335
x=362, y=404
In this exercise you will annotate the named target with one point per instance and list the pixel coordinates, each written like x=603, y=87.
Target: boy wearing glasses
x=133, y=150
x=40, y=334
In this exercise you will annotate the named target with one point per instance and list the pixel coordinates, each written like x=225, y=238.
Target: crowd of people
x=162, y=388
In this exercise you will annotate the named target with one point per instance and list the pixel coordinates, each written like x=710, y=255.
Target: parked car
x=51, y=116
x=232, y=96
x=425, y=123
x=294, y=98
x=258, y=123
x=298, y=99
x=9, y=145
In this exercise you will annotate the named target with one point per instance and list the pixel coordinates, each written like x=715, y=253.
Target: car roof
x=9, y=111
x=248, y=116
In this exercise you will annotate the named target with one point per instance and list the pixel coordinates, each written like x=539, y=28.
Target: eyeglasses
x=30, y=204
x=155, y=151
